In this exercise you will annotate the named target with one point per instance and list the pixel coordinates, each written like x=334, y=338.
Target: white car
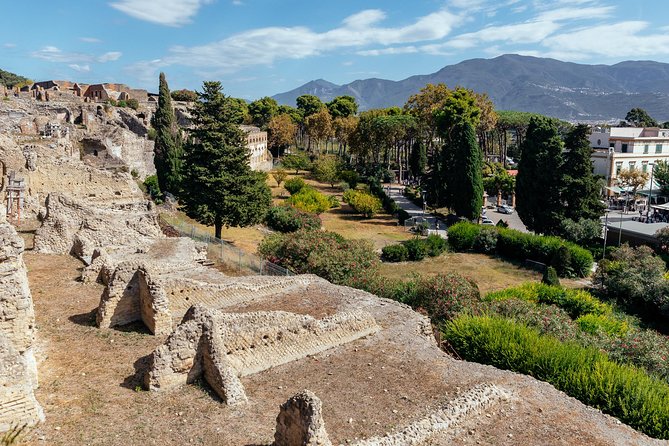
x=487, y=221
x=505, y=209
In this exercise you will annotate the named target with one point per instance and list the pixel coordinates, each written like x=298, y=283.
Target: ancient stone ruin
x=222, y=347
x=300, y=422
x=18, y=369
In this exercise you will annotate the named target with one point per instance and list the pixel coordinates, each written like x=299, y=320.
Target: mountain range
x=565, y=90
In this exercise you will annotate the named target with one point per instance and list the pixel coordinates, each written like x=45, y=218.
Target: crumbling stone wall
x=18, y=369
x=225, y=346
x=300, y=422
x=74, y=227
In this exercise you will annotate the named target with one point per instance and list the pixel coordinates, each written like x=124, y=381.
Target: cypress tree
x=418, y=159
x=581, y=189
x=539, y=180
x=168, y=145
x=219, y=187
x=463, y=173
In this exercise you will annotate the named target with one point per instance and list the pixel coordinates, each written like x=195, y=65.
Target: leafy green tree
x=220, y=189
x=418, y=159
x=464, y=172
x=326, y=170
x=640, y=118
x=581, y=189
x=262, y=111
x=539, y=180
x=240, y=109
x=11, y=80
x=296, y=161
x=184, y=95
x=294, y=113
x=342, y=107
x=661, y=176
x=319, y=126
x=168, y=143
x=632, y=179
x=282, y=130
x=460, y=105
x=308, y=104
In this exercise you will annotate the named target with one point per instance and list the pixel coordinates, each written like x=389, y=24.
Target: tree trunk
x=218, y=226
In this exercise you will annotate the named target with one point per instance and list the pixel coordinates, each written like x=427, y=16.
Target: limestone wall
x=225, y=346
x=18, y=369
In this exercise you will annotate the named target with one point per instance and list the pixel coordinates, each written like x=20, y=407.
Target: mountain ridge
x=565, y=90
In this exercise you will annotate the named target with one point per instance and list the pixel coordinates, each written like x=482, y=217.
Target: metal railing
x=225, y=252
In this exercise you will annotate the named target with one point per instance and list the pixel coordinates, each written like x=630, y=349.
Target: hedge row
x=567, y=258
x=587, y=374
x=388, y=203
x=415, y=249
x=290, y=219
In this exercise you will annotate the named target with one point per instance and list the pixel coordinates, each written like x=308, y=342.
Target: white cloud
x=264, y=46
x=89, y=39
x=162, y=12
x=9, y=45
x=80, y=68
x=110, y=56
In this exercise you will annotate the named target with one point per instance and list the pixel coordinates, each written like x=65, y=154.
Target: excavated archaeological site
x=112, y=333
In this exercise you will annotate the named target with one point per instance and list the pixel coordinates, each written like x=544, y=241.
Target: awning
x=663, y=207
x=614, y=189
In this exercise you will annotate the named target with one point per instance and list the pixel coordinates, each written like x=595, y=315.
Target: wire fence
x=225, y=252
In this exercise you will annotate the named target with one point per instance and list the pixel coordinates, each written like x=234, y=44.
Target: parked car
x=487, y=221
x=505, y=209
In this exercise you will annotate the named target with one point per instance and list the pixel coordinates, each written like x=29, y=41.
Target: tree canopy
x=262, y=111
x=638, y=117
x=168, y=144
x=342, y=107
x=184, y=95
x=219, y=187
x=308, y=104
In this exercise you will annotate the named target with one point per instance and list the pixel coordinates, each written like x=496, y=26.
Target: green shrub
x=403, y=216
x=334, y=202
x=310, y=200
x=461, y=236
x=486, y=240
x=324, y=253
x=294, y=185
x=587, y=374
x=416, y=248
x=550, y=277
x=153, y=189
x=561, y=261
x=445, y=295
x=601, y=323
x=363, y=203
x=436, y=245
x=395, y=253
x=350, y=177
x=290, y=219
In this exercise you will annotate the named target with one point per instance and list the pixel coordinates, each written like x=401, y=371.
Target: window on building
x=619, y=167
x=632, y=165
x=646, y=148
x=658, y=148
x=624, y=148
x=612, y=145
x=644, y=166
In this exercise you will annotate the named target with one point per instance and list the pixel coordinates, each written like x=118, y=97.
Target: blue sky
x=263, y=47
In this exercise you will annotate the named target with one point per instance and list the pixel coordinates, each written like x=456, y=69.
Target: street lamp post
x=424, y=193
x=650, y=193
x=606, y=232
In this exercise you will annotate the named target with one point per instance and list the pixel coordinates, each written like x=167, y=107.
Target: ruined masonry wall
x=18, y=369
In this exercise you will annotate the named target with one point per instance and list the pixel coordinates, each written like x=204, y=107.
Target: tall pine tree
x=464, y=171
x=539, y=180
x=581, y=189
x=418, y=159
x=219, y=187
x=168, y=145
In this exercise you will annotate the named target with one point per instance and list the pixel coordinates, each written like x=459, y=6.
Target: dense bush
x=566, y=257
x=416, y=249
x=583, y=373
x=486, y=240
x=153, y=189
x=395, y=253
x=310, y=200
x=294, y=185
x=327, y=254
x=436, y=245
x=600, y=323
x=350, y=177
x=461, y=236
x=445, y=295
x=362, y=202
x=635, y=277
x=289, y=219
x=550, y=277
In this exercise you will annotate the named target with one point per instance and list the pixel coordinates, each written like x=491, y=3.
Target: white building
x=621, y=148
x=256, y=141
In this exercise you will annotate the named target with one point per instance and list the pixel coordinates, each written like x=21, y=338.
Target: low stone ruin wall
x=18, y=368
x=72, y=226
x=222, y=347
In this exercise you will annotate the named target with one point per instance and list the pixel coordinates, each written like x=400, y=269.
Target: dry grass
x=490, y=273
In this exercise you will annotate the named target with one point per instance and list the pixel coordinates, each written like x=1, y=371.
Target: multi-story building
x=621, y=148
x=256, y=141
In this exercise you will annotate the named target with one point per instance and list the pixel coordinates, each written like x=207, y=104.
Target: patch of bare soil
x=372, y=386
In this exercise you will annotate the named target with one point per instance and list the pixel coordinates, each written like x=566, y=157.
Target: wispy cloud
x=55, y=54
x=89, y=39
x=162, y=12
x=80, y=68
x=9, y=45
